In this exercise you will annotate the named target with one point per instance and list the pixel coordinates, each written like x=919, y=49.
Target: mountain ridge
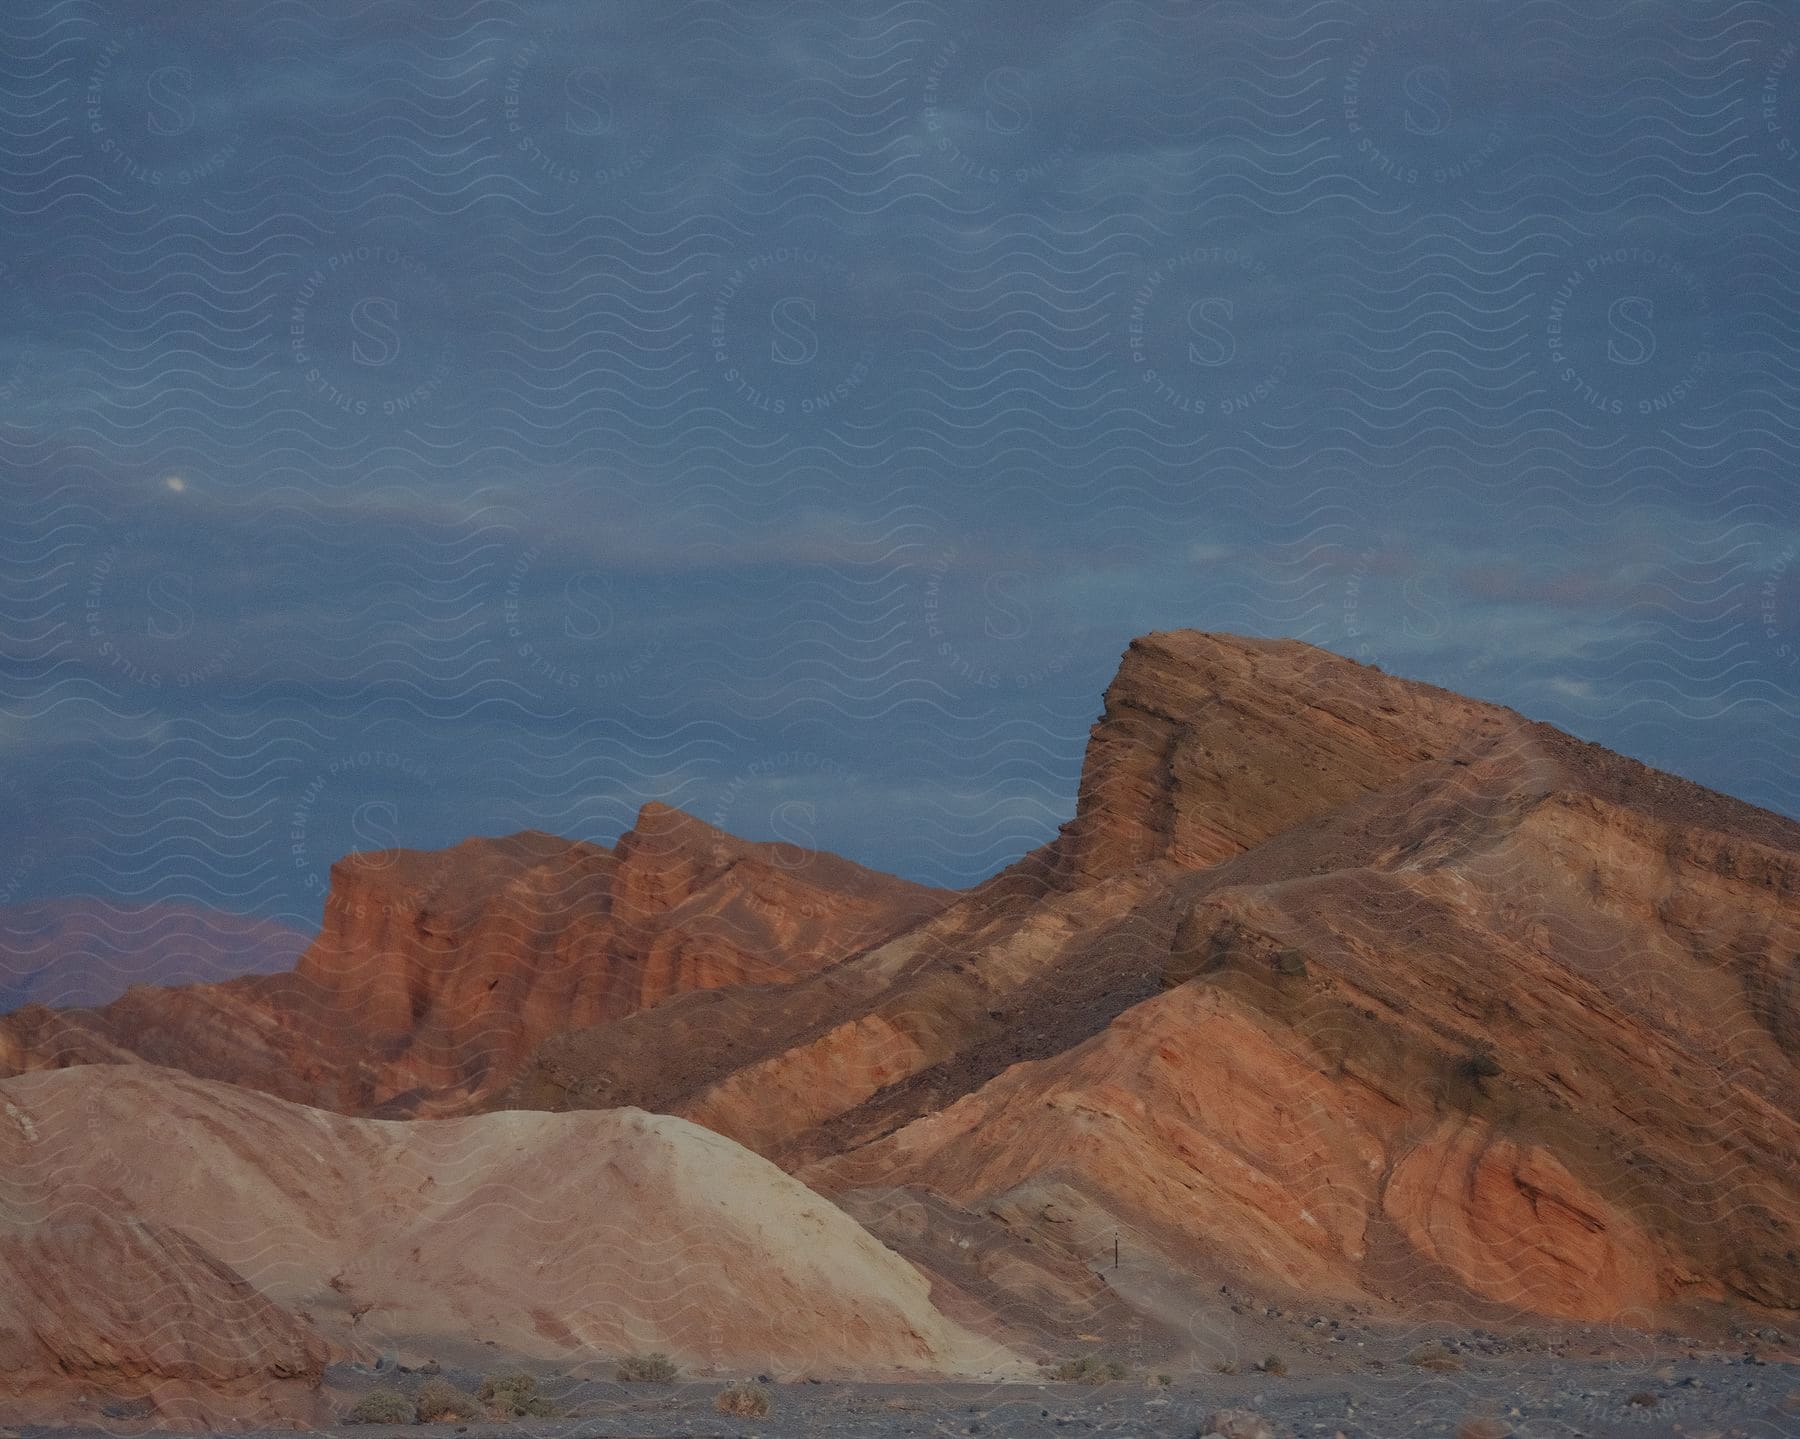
x=435, y=972
x=1206, y=851
x=1336, y=989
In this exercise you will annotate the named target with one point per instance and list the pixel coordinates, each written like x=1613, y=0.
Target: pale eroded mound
x=571, y=1237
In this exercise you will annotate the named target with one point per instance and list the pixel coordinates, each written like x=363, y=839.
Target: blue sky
x=418, y=421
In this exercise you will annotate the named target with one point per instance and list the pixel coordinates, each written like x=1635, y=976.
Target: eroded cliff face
x=435, y=974
x=1209, y=745
x=1336, y=986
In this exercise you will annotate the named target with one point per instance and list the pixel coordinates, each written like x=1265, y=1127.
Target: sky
x=424, y=420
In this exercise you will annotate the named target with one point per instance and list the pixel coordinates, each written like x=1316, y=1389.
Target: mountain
x=207, y=1249
x=1338, y=990
x=1338, y=987
x=69, y=952
x=435, y=974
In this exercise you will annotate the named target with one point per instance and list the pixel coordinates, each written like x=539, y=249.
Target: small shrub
x=1434, y=1356
x=646, y=1369
x=507, y=1391
x=383, y=1406
x=1290, y=962
x=1165, y=1380
x=1644, y=1399
x=746, y=1401
x=1226, y=1366
x=1089, y=1369
x=514, y=1396
x=1272, y=1365
x=438, y=1400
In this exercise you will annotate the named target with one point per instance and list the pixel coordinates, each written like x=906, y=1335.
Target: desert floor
x=1528, y=1387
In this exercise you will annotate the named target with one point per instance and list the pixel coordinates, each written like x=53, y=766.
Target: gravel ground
x=1683, y=1395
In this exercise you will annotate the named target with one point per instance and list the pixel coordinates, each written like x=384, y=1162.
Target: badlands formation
x=434, y=975
x=212, y=1247
x=1338, y=991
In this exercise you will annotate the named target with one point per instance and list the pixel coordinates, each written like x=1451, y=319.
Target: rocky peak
x=435, y=973
x=1211, y=744
x=667, y=857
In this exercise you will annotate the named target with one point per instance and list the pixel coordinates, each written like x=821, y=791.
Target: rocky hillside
x=436, y=973
x=1339, y=994
x=1336, y=986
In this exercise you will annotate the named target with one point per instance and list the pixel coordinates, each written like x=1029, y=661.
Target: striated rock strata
x=436, y=973
x=1336, y=986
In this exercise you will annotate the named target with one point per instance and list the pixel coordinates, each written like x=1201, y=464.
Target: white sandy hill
x=561, y=1236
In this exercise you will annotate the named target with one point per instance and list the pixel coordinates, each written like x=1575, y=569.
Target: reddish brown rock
x=435, y=974
x=99, y=1311
x=1211, y=744
x=1336, y=985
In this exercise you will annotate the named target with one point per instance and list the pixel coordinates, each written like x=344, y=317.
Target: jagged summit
x=436, y=972
x=1210, y=744
x=1336, y=983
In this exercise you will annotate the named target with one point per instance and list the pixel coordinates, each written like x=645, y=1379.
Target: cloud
x=559, y=514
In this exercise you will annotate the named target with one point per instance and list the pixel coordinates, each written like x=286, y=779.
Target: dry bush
x=1478, y=1066
x=514, y=1396
x=746, y=1401
x=1434, y=1356
x=438, y=1400
x=1089, y=1369
x=383, y=1406
x=646, y=1369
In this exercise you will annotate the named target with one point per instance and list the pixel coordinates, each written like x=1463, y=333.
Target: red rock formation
x=1335, y=985
x=1210, y=745
x=435, y=974
x=99, y=1312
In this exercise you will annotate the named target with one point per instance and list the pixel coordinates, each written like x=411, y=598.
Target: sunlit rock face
x=435, y=974
x=1336, y=988
x=1336, y=985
